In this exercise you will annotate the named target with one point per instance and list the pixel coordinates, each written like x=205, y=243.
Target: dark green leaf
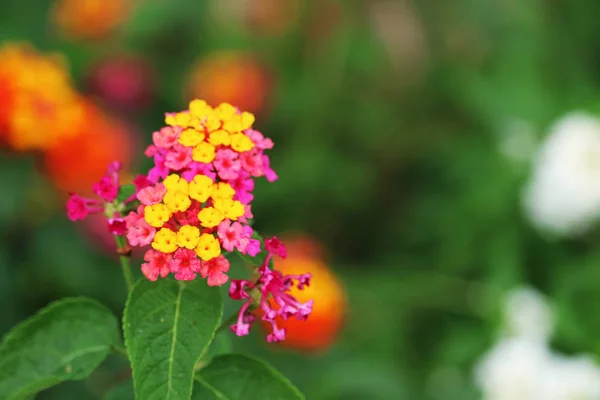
x=123, y=391
x=221, y=345
x=65, y=341
x=168, y=325
x=125, y=191
x=237, y=377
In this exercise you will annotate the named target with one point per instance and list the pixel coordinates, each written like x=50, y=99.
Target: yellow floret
x=208, y=247
x=199, y=108
x=201, y=188
x=157, y=214
x=177, y=201
x=178, y=119
x=219, y=137
x=225, y=111
x=175, y=183
x=204, y=153
x=241, y=142
x=222, y=190
x=239, y=122
x=210, y=217
x=191, y=137
x=231, y=209
x=188, y=237
x=165, y=241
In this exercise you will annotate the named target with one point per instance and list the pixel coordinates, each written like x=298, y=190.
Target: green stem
x=119, y=351
x=230, y=320
x=125, y=264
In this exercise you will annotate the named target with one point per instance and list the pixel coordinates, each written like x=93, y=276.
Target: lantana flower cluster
x=197, y=199
x=195, y=204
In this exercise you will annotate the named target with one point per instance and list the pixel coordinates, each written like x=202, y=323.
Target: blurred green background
x=388, y=119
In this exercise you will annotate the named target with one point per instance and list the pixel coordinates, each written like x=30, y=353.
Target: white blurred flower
x=528, y=315
x=570, y=379
x=563, y=194
x=521, y=366
x=512, y=369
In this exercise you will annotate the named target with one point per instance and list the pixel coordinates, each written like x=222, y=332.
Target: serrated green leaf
x=125, y=191
x=168, y=325
x=123, y=391
x=239, y=377
x=65, y=341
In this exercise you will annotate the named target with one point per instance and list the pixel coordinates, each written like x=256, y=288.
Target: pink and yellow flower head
x=197, y=202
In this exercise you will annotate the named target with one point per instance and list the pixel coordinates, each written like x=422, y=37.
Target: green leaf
x=168, y=325
x=125, y=191
x=221, y=345
x=65, y=341
x=123, y=391
x=237, y=377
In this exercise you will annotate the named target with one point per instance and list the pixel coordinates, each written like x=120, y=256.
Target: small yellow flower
x=188, y=237
x=191, y=137
x=241, y=142
x=210, y=217
x=165, y=241
x=231, y=209
x=199, y=108
x=208, y=247
x=177, y=201
x=239, y=122
x=204, y=153
x=181, y=119
x=225, y=111
x=222, y=190
x=175, y=183
x=219, y=137
x=201, y=188
x=157, y=214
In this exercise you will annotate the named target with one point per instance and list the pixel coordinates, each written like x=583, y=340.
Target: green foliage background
x=390, y=160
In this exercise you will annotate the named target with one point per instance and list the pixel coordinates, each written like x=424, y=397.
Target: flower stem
x=230, y=320
x=119, y=351
x=125, y=264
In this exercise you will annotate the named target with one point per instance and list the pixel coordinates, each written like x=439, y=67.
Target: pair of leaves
x=230, y=377
x=168, y=327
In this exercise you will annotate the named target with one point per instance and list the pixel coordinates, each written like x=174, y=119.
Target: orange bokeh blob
x=38, y=105
x=229, y=77
x=90, y=19
x=75, y=164
x=321, y=329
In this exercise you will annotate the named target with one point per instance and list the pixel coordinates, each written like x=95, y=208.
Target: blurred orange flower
x=267, y=17
x=321, y=328
x=90, y=19
x=38, y=103
x=230, y=77
x=74, y=164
